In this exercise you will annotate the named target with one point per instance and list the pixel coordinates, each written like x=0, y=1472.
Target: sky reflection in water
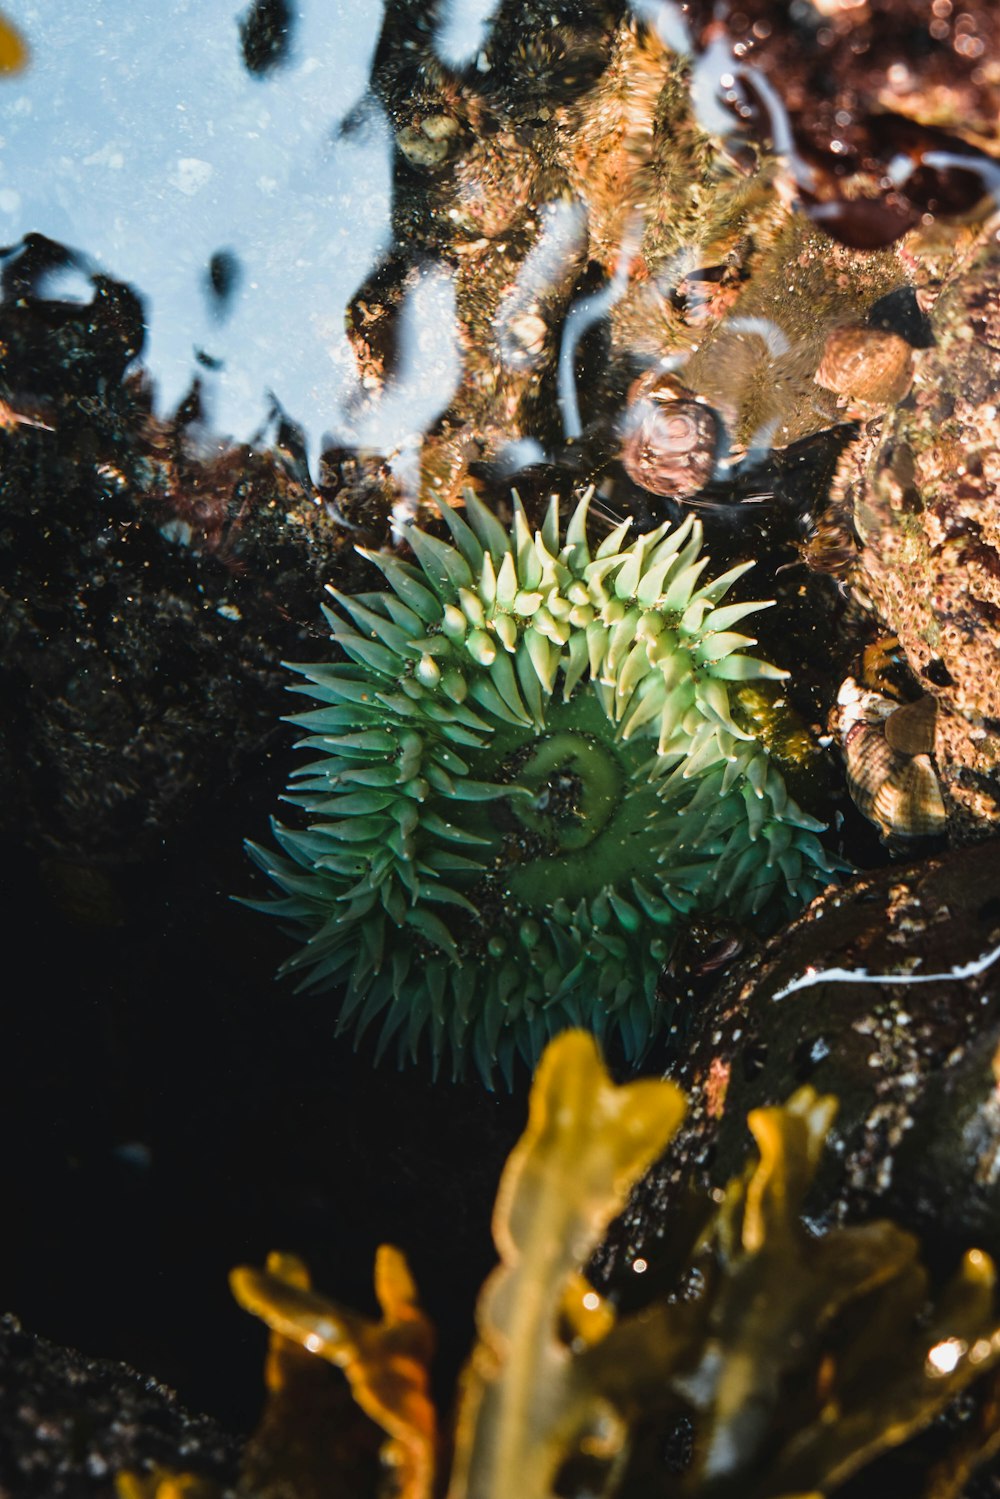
x=138, y=137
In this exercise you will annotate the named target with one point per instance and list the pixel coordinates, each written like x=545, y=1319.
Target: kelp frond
x=792, y=1358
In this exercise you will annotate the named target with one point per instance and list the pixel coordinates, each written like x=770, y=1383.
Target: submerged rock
x=71, y=1423
x=915, y=1063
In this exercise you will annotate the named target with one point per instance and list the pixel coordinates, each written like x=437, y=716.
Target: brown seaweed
x=795, y=1358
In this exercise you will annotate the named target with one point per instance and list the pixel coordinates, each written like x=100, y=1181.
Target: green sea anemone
x=529, y=770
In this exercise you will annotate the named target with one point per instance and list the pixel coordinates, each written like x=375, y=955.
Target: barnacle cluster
x=529, y=769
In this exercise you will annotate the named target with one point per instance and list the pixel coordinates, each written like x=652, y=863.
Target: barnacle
x=527, y=772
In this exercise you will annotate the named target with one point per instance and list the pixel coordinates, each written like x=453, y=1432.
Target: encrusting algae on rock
x=790, y=1359
x=532, y=768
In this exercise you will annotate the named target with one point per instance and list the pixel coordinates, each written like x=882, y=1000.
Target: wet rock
x=570, y=162
x=71, y=1423
x=763, y=362
x=879, y=97
x=915, y=1066
x=153, y=581
x=926, y=511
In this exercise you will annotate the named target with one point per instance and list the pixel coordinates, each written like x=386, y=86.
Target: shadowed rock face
x=70, y=1423
x=913, y=1065
x=141, y=637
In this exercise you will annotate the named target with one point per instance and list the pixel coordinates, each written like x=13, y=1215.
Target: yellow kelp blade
x=524, y=1407
x=164, y=1484
x=386, y=1363
x=283, y=1353
x=879, y=1409
x=313, y=1440
x=13, y=48
x=775, y=1359
x=790, y=1141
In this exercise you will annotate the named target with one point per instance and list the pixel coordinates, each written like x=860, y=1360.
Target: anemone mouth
x=579, y=814
x=527, y=776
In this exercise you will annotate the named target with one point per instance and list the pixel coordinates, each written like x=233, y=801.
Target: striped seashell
x=870, y=764
x=890, y=776
x=908, y=804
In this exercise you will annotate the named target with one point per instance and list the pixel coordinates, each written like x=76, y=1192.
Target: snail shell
x=671, y=439
x=868, y=365
x=908, y=804
x=891, y=779
x=910, y=729
x=870, y=763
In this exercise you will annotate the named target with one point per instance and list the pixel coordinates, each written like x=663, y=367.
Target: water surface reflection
x=245, y=208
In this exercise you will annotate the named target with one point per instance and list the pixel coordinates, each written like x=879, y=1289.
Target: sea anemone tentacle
x=527, y=771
